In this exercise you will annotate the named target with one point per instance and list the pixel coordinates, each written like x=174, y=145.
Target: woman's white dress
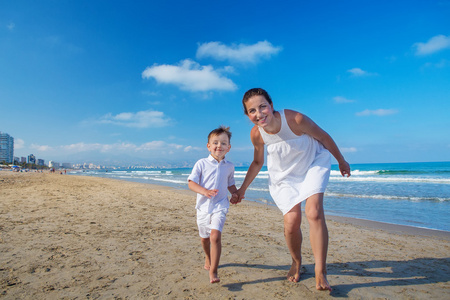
x=299, y=166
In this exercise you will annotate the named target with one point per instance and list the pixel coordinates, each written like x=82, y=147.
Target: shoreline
x=90, y=237
x=391, y=227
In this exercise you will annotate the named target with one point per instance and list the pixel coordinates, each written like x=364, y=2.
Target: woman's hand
x=344, y=167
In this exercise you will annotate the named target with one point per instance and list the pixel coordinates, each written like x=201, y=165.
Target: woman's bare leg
x=293, y=236
x=318, y=233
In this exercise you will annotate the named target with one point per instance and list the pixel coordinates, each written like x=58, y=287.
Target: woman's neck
x=275, y=125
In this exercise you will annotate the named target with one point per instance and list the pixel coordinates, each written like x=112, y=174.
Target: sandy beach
x=67, y=237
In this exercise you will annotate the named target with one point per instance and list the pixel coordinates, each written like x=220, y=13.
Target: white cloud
x=435, y=44
x=339, y=99
x=154, y=145
x=441, y=64
x=190, y=148
x=115, y=148
x=357, y=72
x=349, y=150
x=377, y=112
x=82, y=147
x=237, y=53
x=43, y=148
x=190, y=76
x=141, y=119
x=11, y=26
x=19, y=144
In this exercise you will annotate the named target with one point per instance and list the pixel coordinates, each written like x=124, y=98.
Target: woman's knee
x=292, y=222
x=314, y=208
x=314, y=215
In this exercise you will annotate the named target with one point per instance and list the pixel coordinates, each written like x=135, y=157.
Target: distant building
x=31, y=159
x=23, y=159
x=53, y=164
x=40, y=162
x=6, y=148
x=67, y=165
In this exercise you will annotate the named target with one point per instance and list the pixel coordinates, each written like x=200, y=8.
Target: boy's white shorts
x=206, y=222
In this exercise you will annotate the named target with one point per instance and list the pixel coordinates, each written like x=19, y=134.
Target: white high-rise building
x=6, y=148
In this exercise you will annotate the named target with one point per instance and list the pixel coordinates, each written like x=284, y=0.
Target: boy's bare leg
x=293, y=236
x=206, y=244
x=216, y=249
x=318, y=233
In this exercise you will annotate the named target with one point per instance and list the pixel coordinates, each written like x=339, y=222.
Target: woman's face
x=259, y=110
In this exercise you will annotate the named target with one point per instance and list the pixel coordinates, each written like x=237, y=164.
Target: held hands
x=344, y=167
x=237, y=196
x=234, y=199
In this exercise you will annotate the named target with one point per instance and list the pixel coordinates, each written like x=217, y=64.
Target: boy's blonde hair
x=220, y=130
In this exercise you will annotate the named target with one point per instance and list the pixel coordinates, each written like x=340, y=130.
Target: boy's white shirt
x=211, y=174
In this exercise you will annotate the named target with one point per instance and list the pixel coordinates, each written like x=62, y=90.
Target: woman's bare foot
x=322, y=282
x=294, y=273
x=213, y=278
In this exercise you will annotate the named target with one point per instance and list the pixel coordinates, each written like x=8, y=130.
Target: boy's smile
x=219, y=146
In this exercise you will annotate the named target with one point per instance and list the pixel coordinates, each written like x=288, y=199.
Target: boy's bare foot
x=207, y=264
x=322, y=282
x=213, y=278
x=294, y=273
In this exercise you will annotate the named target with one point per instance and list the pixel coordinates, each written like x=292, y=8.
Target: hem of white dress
x=318, y=191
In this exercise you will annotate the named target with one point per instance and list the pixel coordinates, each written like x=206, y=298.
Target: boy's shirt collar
x=211, y=158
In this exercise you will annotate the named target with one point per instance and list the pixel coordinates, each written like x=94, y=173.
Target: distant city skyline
x=6, y=147
x=145, y=82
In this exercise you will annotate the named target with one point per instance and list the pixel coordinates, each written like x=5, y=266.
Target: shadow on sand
x=381, y=273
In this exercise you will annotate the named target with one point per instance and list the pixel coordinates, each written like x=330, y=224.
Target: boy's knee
x=215, y=236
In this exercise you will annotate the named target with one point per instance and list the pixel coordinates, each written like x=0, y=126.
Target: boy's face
x=219, y=146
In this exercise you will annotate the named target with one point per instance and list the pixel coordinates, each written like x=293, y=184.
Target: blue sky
x=144, y=82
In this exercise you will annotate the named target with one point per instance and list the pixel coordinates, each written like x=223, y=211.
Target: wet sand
x=67, y=237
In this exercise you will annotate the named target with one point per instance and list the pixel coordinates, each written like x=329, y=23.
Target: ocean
x=413, y=194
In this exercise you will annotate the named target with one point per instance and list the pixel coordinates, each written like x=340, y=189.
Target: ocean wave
x=258, y=189
x=152, y=173
x=389, y=197
x=393, y=179
x=354, y=173
x=167, y=180
x=258, y=176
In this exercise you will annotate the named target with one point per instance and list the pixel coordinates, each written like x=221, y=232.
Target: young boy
x=210, y=179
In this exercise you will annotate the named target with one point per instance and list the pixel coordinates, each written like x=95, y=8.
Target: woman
x=298, y=161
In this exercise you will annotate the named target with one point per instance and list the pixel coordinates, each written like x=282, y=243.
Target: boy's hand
x=210, y=193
